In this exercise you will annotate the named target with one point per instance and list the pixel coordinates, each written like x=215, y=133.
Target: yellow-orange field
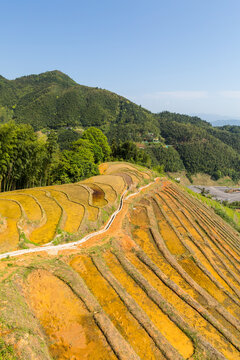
x=162, y=283
x=37, y=216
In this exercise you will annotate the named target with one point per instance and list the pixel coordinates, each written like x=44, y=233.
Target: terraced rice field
x=164, y=283
x=73, y=212
x=63, y=316
x=10, y=212
x=59, y=213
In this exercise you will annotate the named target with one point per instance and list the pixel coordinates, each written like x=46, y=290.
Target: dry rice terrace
x=64, y=213
x=162, y=283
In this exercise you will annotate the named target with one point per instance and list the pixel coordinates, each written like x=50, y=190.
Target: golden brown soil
x=69, y=326
x=167, y=268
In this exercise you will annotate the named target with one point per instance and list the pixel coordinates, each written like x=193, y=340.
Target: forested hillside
x=54, y=102
x=29, y=160
x=200, y=150
x=227, y=135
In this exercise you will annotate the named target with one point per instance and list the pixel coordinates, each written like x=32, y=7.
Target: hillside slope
x=54, y=100
x=64, y=213
x=163, y=282
x=200, y=150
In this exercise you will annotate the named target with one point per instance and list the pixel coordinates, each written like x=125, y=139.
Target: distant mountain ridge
x=226, y=122
x=219, y=120
x=53, y=100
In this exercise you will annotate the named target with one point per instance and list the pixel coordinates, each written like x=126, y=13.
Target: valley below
x=222, y=193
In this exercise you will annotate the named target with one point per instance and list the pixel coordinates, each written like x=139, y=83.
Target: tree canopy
x=27, y=160
x=96, y=137
x=52, y=101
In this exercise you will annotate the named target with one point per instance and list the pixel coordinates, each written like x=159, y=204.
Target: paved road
x=74, y=244
x=218, y=192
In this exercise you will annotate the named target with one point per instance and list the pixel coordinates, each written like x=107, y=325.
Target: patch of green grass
x=113, y=208
x=105, y=216
x=6, y=258
x=146, y=181
x=6, y=351
x=63, y=237
x=23, y=241
x=227, y=218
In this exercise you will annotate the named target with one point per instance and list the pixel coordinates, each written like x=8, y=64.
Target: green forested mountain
x=201, y=149
x=53, y=101
x=229, y=137
x=183, y=119
x=168, y=157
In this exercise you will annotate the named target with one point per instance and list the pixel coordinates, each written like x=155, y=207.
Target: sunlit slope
x=164, y=283
x=63, y=213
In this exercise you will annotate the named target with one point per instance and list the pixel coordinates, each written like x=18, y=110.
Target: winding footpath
x=74, y=244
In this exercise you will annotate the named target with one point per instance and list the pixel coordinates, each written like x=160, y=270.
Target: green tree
x=74, y=166
x=128, y=151
x=86, y=144
x=96, y=136
x=21, y=156
x=168, y=157
x=52, y=151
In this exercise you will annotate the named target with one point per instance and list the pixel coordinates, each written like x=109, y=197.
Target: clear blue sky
x=179, y=55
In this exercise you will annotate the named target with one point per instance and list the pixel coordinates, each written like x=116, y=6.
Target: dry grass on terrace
x=162, y=283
